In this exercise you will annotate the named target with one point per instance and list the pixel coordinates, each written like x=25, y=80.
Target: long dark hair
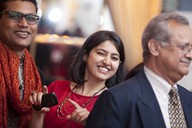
x=77, y=70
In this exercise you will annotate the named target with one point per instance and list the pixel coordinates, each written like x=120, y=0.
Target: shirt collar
x=158, y=84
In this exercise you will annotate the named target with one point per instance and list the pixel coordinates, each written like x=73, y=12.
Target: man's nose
x=23, y=22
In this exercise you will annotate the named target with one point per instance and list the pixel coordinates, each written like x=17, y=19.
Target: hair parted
x=158, y=29
x=77, y=70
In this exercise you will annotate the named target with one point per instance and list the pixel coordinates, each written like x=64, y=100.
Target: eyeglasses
x=186, y=48
x=17, y=16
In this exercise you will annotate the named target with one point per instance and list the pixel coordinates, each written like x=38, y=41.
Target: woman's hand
x=36, y=98
x=79, y=115
x=37, y=120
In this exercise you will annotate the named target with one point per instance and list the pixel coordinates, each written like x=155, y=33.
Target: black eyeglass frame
x=19, y=16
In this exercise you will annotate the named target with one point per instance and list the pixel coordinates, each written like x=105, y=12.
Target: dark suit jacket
x=133, y=104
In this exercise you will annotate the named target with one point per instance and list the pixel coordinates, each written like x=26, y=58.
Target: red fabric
x=62, y=89
x=9, y=85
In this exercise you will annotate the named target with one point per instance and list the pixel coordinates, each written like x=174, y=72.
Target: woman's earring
x=84, y=59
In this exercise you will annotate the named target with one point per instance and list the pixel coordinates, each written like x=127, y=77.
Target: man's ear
x=154, y=46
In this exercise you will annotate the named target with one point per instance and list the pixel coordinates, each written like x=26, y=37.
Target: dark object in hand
x=48, y=100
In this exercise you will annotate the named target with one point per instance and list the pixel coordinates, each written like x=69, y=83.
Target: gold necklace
x=59, y=111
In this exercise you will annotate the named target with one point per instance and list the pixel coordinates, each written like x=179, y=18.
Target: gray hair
x=158, y=29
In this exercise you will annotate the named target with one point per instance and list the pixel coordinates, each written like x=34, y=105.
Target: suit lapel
x=149, y=109
x=186, y=102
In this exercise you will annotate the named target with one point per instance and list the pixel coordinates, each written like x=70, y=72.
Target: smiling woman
x=97, y=66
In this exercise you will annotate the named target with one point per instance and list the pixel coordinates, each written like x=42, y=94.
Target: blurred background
x=65, y=24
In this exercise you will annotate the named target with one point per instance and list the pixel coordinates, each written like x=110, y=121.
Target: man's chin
x=185, y=72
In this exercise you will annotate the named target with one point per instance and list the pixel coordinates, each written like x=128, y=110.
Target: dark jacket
x=133, y=104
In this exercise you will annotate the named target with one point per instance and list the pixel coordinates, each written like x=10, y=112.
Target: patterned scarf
x=9, y=85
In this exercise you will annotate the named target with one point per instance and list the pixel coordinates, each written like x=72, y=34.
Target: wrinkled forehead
x=180, y=32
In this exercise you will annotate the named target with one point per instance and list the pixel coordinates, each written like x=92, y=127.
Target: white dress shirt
x=161, y=88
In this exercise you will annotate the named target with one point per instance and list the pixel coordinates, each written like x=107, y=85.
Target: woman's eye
x=100, y=53
x=115, y=58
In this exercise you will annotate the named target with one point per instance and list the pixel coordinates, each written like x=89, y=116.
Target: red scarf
x=9, y=85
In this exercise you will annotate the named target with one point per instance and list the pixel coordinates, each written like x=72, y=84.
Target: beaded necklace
x=59, y=112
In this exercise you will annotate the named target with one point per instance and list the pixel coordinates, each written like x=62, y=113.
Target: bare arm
x=37, y=120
